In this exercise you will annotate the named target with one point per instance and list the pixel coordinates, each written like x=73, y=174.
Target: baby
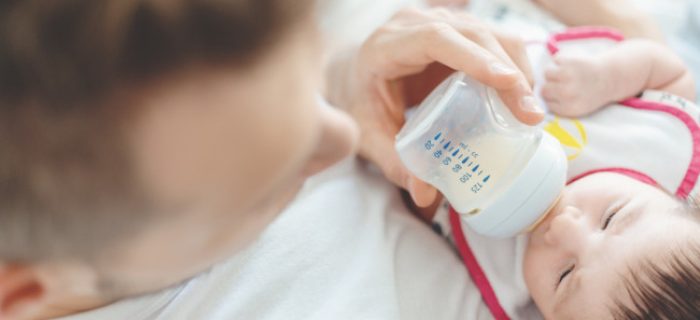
x=622, y=236
x=623, y=241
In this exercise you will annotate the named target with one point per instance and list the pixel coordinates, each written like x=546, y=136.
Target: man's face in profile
x=219, y=153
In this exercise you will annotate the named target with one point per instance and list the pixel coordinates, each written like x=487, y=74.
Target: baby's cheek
x=532, y=262
x=537, y=285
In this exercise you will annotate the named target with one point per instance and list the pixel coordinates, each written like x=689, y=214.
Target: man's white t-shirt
x=345, y=249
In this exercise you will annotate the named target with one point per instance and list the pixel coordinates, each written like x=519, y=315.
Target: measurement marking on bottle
x=437, y=136
x=475, y=168
x=447, y=145
x=486, y=178
x=465, y=160
x=454, y=154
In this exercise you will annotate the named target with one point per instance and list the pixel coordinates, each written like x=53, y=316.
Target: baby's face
x=603, y=225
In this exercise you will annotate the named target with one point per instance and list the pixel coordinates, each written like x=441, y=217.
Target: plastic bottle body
x=464, y=141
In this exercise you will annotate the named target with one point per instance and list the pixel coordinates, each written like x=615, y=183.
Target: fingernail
x=502, y=68
x=529, y=103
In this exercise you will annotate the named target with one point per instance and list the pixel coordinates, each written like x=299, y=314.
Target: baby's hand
x=576, y=85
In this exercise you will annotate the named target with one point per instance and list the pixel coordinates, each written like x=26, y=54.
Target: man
x=144, y=142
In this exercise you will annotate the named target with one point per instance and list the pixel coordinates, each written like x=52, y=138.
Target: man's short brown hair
x=65, y=185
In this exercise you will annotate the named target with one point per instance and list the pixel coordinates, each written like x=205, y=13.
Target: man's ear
x=21, y=291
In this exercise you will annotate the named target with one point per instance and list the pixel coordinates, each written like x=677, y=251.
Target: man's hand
x=404, y=59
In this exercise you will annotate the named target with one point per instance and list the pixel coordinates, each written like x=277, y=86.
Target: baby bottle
x=500, y=175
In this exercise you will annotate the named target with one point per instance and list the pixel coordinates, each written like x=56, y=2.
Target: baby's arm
x=579, y=85
x=622, y=15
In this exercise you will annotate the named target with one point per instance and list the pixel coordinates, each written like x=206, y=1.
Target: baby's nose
x=567, y=230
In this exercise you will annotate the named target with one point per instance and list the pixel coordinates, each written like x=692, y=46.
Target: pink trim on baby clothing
x=691, y=174
x=581, y=33
x=475, y=272
x=634, y=174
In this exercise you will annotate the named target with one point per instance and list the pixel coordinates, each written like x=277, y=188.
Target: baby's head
x=616, y=248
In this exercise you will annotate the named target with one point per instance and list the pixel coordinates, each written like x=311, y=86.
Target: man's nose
x=568, y=230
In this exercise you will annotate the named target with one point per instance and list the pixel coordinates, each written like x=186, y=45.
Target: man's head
x=609, y=242
x=142, y=141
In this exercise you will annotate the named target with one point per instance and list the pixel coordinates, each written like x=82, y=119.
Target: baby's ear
x=21, y=292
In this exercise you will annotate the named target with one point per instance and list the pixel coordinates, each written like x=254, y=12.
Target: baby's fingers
x=551, y=92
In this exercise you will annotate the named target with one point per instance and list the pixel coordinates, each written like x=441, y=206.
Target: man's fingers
x=510, y=50
x=481, y=65
x=422, y=193
x=410, y=49
x=523, y=106
x=444, y=44
x=407, y=45
x=515, y=48
x=421, y=45
x=418, y=39
x=519, y=98
x=507, y=48
x=459, y=53
x=380, y=149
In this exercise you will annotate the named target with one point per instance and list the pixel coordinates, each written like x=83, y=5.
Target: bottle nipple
x=544, y=216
